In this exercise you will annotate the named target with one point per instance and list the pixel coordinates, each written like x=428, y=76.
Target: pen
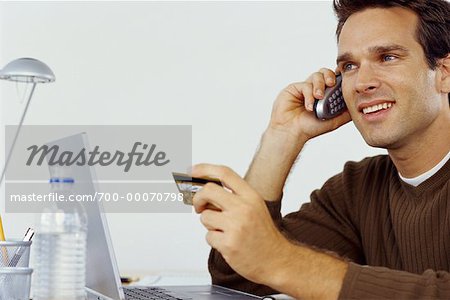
x=28, y=236
x=2, y=233
x=4, y=250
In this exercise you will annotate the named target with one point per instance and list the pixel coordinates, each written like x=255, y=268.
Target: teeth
x=377, y=107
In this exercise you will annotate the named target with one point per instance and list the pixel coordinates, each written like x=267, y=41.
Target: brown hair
x=433, y=28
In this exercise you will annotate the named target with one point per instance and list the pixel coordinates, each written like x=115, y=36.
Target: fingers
x=311, y=89
x=329, y=75
x=211, y=195
x=319, y=82
x=302, y=91
x=227, y=176
x=213, y=220
x=213, y=238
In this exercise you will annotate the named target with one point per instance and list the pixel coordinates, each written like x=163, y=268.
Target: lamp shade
x=27, y=70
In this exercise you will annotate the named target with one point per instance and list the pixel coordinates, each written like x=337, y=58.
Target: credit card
x=188, y=185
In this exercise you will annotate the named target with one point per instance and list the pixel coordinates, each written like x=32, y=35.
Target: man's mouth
x=377, y=107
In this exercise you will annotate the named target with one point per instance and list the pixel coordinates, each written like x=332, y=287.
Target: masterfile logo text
x=140, y=154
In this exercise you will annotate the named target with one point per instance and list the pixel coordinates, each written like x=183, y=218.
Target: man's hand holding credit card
x=189, y=186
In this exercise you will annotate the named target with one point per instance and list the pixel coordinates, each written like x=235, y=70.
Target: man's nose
x=367, y=80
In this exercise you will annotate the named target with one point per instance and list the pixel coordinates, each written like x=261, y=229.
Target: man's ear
x=444, y=67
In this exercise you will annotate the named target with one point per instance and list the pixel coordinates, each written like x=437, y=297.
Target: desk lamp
x=27, y=70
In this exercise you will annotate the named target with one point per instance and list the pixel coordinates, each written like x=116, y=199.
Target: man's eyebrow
x=387, y=48
x=375, y=50
x=343, y=57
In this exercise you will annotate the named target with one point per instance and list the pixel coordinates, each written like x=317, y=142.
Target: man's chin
x=383, y=142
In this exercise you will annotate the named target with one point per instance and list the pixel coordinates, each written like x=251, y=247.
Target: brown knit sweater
x=396, y=236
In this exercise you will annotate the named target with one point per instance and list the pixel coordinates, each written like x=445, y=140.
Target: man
x=381, y=228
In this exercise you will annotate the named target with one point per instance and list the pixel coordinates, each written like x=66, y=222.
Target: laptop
x=102, y=273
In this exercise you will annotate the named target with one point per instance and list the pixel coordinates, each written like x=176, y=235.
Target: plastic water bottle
x=60, y=243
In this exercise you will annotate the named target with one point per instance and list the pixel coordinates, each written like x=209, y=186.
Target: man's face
x=388, y=87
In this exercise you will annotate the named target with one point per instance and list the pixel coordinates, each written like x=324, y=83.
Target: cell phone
x=188, y=185
x=332, y=104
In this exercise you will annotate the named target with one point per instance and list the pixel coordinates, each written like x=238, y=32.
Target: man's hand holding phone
x=332, y=104
x=293, y=110
x=291, y=125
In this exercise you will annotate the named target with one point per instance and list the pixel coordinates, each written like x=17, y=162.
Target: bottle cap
x=68, y=180
x=63, y=180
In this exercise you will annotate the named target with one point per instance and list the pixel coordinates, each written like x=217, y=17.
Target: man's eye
x=348, y=67
x=388, y=57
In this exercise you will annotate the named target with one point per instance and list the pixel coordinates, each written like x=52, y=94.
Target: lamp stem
x=17, y=133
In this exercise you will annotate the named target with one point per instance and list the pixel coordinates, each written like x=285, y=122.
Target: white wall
x=217, y=66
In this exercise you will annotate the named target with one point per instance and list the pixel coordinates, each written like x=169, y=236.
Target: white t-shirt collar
x=422, y=177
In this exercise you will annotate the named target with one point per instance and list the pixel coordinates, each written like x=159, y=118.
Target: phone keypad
x=333, y=102
x=336, y=101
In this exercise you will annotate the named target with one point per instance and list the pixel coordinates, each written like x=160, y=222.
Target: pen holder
x=14, y=254
x=15, y=283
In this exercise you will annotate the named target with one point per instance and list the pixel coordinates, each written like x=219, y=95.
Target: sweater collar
x=433, y=183
x=416, y=181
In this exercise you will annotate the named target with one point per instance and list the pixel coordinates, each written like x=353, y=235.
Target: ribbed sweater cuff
x=350, y=280
x=365, y=282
